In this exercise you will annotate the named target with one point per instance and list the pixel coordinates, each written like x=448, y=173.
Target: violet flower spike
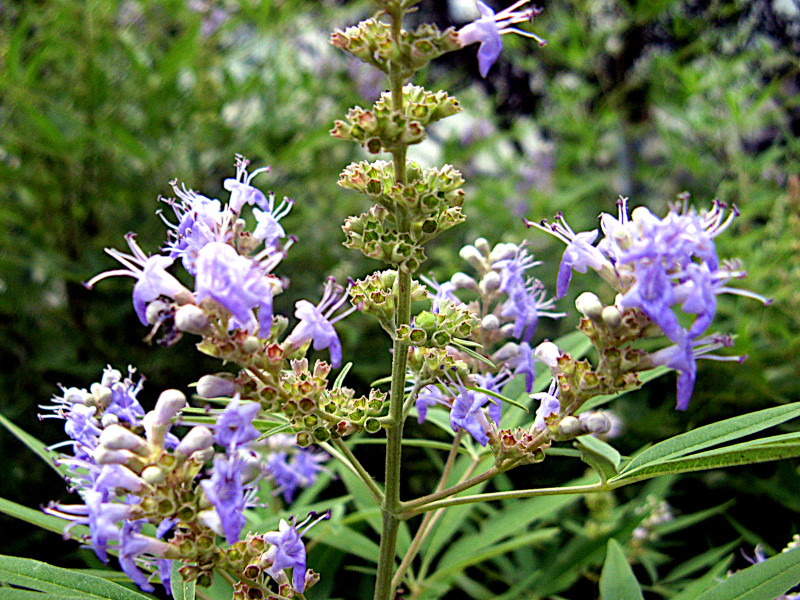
x=152, y=279
x=490, y=26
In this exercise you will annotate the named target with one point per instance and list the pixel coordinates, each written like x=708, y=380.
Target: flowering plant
x=177, y=508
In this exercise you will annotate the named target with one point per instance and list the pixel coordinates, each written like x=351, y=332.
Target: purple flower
x=299, y=471
x=431, y=395
x=225, y=491
x=467, y=413
x=132, y=545
x=444, y=293
x=235, y=425
x=524, y=363
x=316, y=322
x=241, y=191
x=237, y=283
x=124, y=403
x=549, y=406
x=268, y=228
x=152, y=279
x=489, y=27
x=287, y=552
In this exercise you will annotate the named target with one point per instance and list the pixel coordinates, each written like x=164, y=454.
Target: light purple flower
x=234, y=427
x=467, y=413
x=549, y=405
x=152, y=279
x=225, y=491
x=132, y=545
x=299, y=471
x=316, y=322
x=268, y=228
x=489, y=27
x=428, y=396
x=237, y=283
x=124, y=403
x=241, y=191
x=287, y=550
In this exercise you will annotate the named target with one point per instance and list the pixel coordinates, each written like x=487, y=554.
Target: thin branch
x=351, y=462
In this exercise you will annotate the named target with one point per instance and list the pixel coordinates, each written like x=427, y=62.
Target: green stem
x=412, y=508
x=574, y=489
x=359, y=470
x=394, y=428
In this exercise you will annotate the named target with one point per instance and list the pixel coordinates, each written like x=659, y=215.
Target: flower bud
x=596, y=422
x=110, y=377
x=104, y=456
x=462, y=281
x=569, y=425
x=252, y=344
x=169, y=404
x=101, y=393
x=109, y=419
x=589, y=305
x=490, y=323
x=472, y=256
x=76, y=396
x=153, y=475
x=502, y=252
x=483, y=246
x=155, y=310
x=214, y=386
x=116, y=437
x=548, y=353
x=210, y=518
x=506, y=353
x=190, y=318
x=198, y=438
x=490, y=282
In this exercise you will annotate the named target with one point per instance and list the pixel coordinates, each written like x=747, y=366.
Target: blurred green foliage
x=102, y=102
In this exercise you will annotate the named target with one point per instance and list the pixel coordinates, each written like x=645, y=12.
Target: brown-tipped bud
x=191, y=319
x=116, y=437
x=198, y=438
x=214, y=386
x=589, y=305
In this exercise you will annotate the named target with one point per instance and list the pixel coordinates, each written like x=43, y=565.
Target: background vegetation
x=102, y=103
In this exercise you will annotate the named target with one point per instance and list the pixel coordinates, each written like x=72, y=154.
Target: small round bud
x=462, y=281
x=109, y=419
x=589, y=305
x=116, y=437
x=198, y=438
x=210, y=518
x=155, y=311
x=507, y=352
x=483, y=246
x=169, y=404
x=472, y=256
x=110, y=377
x=153, y=475
x=569, y=425
x=252, y=344
x=612, y=317
x=490, y=282
x=214, y=386
x=548, y=353
x=596, y=422
x=490, y=323
x=104, y=456
x=190, y=318
x=502, y=252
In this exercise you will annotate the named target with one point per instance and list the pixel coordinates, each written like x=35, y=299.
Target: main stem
x=394, y=429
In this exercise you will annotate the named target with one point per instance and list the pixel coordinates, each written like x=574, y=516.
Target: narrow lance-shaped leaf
x=763, y=581
x=617, y=581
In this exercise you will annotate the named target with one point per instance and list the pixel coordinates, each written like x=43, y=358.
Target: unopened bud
x=490, y=282
x=490, y=323
x=116, y=437
x=153, y=475
x=589, y=305
x=214, y=386
x=104, y=456
x=548, y=353
x=101, y=393
x=155, y=310
x=503, y=252
x=569, y=425
x=472, y=256
x=483, y=246
x=76, y=396
x=506, y=352
x=462, y=281
x=109, y=419
x=252, y=344
x=190, y=318
x=210, y=518
x=110, y=377
x=198, y=438
x=169, y=404
x=596, y=422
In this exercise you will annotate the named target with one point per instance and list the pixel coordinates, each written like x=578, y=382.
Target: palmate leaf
x=763, y=581
x=63, y=583
x=617, y=581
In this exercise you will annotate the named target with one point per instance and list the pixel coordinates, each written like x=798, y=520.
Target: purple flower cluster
x=658, y=266
x=292, y=467
x=232, y=269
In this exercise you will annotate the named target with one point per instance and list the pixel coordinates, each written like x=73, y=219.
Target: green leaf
x=38, y=447
x=40, y=519
x=17, y=594
x=617, y=581
x=62, y=582
x=602, y=457
x=740, y=454
x=763, y=581
x=181, y=590
x=716, y=433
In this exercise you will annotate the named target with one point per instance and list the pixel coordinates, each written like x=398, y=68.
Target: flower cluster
x=291, y=467
x=508, y=303
x=660, y=267
x=147, y=494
